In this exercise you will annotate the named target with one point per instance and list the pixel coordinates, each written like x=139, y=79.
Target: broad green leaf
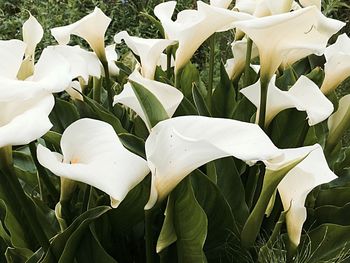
x=54, y=138
x=17, y=254
x=200, y=102
x=186, y=108
x=317, y=76
x=133, y=144
x=63, y=114
x=151, y=106
x=271, y=180
x=224, y=96
x=70, y=238
x=287, y=80
x=190, y=222
x=189, y=75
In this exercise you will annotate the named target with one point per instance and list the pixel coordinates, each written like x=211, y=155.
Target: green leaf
x=199, y=102
x=155, y=22
x=151, y=106
x=189, y=75
x=54, y=138
x=186, y=108
x=64, y=245
x=17, y=254
x=224, y=96
x=63, y=114
x=133, y=143
x=317, y=76
x=271, y=180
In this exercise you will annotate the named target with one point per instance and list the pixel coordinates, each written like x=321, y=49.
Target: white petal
x=316, y=3
x=304, y=95
x=112, y=57
x=177, y=146
x=149, y=50
x=220, y=3
x=82, y=63
x=168, y=96
x=287, y=37
x=193, y=27
x=296, y=185
x=11, y=55
x=163, y=62
x=339, y=121
x=92, y=28
x=22, y=121
x=337, y=67
x=73, y=91
x=32, y=34
x=102, y=162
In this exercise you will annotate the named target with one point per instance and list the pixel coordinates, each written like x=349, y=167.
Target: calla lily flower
x=149, y=50
x=298, y=182
x=11, y=54
x=32, y=35
x=92, y=28
x=102, y=162
x=304, y=95
x=193, y=27
x=25, y=105
x=177, y=146
x=337, y=67
x=339, y=121
x=260, y=8
x=285, y=38
x=220, y=3
x=235, y=66
x=168, y=96
x=112, y=57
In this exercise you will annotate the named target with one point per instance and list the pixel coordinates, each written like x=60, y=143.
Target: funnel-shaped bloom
x=177, y=146
x=25, y=105
x=32, y=35
x=339, y=121
x=93, y=154
x=298, y=182
x=286, y=38
x=92, y=28
x=193, y=27
x=167, y=95
x=337, y=67
x=304, y=96
x=149, y=50
x=235, y=66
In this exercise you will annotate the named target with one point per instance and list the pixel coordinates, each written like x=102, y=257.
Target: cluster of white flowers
x=282, y=32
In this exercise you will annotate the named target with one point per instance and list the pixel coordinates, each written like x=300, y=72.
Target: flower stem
x=168, y=62
x=211, y=70
x=108, y=85
x=247, y=62
x=97, y=89
x=43, y=174
x=149, y=236
x=6, y=164
x=264, y=85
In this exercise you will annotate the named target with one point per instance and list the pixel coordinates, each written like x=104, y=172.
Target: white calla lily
x=304, y=95
x=337, y=67
x=102, y=162
x=92, y=28
x=167, y=95
x=260, y=8
x=235, y=66
x=285, y=38
x=32, y=35
x=11, y=54
x=220, y=3
x=193, y=27
x=177, y=146
x=149, y=50
x=339, y=122
x=112, y=57
x=298, y=182
x=82, y=63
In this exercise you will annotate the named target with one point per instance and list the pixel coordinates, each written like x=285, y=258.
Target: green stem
x=247, y=62
x=252, y=181
x=108, y=85
x=211, y=70
x=23, y=200
x=42, y=173
x=86, y=198
x=264, y=85
x=149, y=236
x=168, y=62
x=178, y=79
x=97, y=89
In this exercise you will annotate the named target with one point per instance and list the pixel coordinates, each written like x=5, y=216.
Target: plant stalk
x=108, y=85
x=264, y=85
x=149, y=236
x=97, y=83
x=247, y=62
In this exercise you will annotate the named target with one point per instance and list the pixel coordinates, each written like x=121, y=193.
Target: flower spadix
x=167, y=95
x=304, y=95
x=92, y=28
x=298, y=182
x=285, y=38
x=93, y=154
x=177, y=146
x=149, y=50
x=337, y=67
x=193, y=27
